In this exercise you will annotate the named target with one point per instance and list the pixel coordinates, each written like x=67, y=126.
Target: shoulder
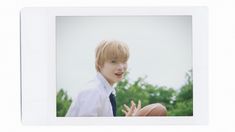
x=93, y=89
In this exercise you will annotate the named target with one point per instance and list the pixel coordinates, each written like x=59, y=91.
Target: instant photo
x=159, y=68
x=114, y=66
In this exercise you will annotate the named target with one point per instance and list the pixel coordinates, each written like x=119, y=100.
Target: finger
x=139, y=105
x=133, y=104
x=124, y=112
x=132, y=109
x=126, y=107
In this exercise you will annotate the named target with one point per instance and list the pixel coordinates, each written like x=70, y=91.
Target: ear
x=100, y=67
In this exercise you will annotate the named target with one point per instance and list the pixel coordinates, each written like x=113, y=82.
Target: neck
x=109, y=81
x=111, y=84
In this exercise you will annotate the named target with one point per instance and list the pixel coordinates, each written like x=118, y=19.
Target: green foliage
x=182, y=108
x=62, y=103
x=184, y=100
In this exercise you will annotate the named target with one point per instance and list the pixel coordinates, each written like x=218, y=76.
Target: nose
x=121, y=66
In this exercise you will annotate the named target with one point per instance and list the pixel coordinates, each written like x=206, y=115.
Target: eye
x=124, y=62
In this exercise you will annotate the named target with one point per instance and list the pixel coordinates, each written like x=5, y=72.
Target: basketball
x=156, y=109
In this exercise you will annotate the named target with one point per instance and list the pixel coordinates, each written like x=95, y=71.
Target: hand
x=131, y=111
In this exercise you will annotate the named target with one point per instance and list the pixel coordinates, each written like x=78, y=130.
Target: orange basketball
x=156, y=109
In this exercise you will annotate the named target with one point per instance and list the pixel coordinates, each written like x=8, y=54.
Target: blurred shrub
x=62, y=103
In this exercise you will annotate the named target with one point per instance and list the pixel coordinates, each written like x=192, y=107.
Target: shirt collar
x=108, y=88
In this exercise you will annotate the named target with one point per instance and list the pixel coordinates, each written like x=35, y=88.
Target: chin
x=117, y=80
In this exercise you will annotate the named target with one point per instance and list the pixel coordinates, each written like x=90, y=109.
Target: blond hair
x=109, y=50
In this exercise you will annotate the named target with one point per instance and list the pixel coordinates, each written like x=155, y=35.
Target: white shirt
x=93, y=100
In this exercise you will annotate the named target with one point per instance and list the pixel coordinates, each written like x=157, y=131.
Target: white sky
x=160, y=48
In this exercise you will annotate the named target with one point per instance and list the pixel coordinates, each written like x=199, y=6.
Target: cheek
x=111, y=69
x=126, y=66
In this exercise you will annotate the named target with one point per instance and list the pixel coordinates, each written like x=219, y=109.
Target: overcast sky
x=160, y=48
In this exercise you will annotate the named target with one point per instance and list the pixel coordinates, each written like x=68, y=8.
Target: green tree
x=62, y=103
x=184, y=99
x=161, y=95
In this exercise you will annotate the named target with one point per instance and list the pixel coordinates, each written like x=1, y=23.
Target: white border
x=38, y=62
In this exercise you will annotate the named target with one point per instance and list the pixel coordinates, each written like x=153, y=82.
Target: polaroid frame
x=38, y=65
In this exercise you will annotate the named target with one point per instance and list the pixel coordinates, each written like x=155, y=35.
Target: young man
x=98, y=96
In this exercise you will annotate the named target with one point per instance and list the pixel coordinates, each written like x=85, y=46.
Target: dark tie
x=113, y=102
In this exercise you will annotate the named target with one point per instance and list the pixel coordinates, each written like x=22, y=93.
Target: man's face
x=113, y=71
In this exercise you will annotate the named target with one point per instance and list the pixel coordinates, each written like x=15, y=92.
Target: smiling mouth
x=119, y=74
